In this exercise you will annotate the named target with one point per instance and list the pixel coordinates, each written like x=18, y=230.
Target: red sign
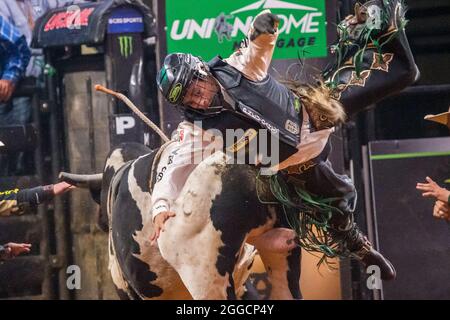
x=69, y=20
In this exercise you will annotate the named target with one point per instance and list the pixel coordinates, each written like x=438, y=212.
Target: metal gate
x=33, y=276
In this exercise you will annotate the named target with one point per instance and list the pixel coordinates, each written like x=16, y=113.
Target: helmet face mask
x=177, y=75
x=201, y=93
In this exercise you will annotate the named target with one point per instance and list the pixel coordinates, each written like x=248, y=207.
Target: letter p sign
x=123, y=123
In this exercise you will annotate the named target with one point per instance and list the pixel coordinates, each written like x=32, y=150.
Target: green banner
x=210, y=27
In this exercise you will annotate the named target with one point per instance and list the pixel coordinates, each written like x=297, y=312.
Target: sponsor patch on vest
x=260, y=120
x=175, y=93
x=249, y=135
x=292, y=127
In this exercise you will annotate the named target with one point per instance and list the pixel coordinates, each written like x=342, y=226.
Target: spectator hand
x=158, y=225
x=15, y=249
x=433, y=190
x=441, y=210
x=6, y=90
x=62, y=187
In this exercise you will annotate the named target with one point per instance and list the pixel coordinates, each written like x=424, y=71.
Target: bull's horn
x=89, y=181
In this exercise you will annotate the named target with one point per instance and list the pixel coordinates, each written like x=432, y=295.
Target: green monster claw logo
x=126, y=46
x=175, y=93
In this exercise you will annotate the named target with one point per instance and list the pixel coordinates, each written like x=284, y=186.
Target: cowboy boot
x=374, y=59
x=361, y=249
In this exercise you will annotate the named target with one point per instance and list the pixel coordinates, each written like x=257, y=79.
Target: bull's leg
x=283, y=270
x=195, y=259
x=123, y=289
x=281, y=257
x=199, y=260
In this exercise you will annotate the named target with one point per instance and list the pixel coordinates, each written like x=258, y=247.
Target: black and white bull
x=207, y=249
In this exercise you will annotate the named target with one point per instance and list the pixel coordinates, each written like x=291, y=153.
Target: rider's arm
x=254, y=57
x=180, y=158
x=173, y=169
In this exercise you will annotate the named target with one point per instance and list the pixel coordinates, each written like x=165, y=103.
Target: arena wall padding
x=407, y=233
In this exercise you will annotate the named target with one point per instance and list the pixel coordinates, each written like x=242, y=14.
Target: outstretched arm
x=11, y=200
x=12, y=250
x=432, y=190
x=177, y=162
x=255, y=55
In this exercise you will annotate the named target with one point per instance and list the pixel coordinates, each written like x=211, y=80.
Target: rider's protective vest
x=267, y=102
x=257, y=105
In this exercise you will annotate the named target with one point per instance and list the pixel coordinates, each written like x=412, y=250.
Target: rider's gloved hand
x=265, y=22
x=158, y=225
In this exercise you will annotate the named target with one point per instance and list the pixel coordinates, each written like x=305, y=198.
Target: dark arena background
x=385, y=150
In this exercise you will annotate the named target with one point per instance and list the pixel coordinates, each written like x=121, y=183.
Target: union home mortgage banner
x=210, y=27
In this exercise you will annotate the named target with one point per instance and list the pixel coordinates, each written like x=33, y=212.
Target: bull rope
x=133, y=107
x=155, y=163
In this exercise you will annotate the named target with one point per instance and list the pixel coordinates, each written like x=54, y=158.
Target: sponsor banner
x=208, y=28
x=73, y=18
x=126, y=20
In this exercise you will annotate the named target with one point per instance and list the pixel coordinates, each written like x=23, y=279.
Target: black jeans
x=321, y=180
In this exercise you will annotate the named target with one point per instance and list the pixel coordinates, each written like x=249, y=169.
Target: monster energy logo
x=175, y=93
x=126, y=46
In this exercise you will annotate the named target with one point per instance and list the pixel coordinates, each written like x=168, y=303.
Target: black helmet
x=176, y=74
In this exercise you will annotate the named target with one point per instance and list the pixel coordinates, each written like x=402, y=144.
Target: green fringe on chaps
x=309, y=216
